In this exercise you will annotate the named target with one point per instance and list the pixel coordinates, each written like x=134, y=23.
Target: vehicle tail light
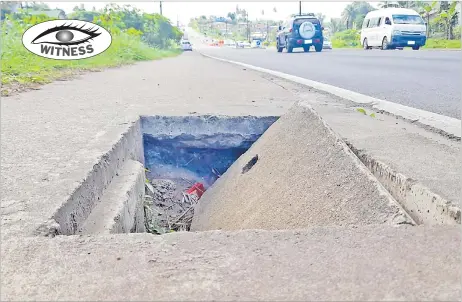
x=317, y=40
x=290, y=30
x=299, y=41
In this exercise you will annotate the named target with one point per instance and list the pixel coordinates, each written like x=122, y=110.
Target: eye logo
x=66, y=39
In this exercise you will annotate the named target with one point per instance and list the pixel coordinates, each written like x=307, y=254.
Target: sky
x=184, y=11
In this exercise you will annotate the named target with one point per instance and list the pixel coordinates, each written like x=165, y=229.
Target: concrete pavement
x=319, y=264
x=54, y=137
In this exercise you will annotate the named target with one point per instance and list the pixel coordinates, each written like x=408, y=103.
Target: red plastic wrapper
x=197, y=189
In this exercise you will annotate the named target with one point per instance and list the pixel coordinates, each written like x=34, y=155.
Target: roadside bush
x=457, y=31
x=346, y=39
x=128, y=45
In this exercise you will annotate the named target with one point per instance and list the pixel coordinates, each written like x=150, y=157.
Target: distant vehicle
x=239, y=44
x=186, y=46
x=229, y=43
x=392, y=28
x=327, y=44
x=256, y=44
x=246, y=44
x=300, y=31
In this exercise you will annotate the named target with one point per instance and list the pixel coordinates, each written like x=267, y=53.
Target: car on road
x=229, y=43
x=391, y=28
x=186, y=46
x=256, y=44
x=300, y=31
x=327, y=44
x=246, y=44
x=239, y=44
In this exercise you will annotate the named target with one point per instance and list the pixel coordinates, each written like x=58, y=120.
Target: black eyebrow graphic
x=92, y=33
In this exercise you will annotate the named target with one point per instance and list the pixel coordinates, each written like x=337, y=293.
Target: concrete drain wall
x=167, y=155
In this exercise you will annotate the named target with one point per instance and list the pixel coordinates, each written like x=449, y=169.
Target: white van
x=392, y=28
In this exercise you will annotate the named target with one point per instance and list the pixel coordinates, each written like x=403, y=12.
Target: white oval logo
x=307, y=30
x=66, y=39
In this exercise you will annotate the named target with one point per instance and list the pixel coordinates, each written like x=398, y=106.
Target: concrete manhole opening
x=184, y=156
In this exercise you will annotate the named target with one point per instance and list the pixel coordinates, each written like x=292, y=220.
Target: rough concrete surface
x=121, y=209
x=421, y=155
x=427, y=161
x=374, y=263
x=56, y=138
x=304, y=176
x=53, y=137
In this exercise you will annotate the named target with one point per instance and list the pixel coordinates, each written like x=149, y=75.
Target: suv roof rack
x=303, y=15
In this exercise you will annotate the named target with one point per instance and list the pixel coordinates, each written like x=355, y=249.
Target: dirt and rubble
x=169, y=204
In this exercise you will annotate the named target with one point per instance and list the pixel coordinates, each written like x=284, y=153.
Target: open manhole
x=184, y=156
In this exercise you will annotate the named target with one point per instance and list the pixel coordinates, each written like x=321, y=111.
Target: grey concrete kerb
x=448, y=126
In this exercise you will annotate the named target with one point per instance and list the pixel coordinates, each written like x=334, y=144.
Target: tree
x=232, y=16
x=448, y=18
x=335, y=25
x=321, y=17
x=353, y=10
x=428, y=9
x=348, y=15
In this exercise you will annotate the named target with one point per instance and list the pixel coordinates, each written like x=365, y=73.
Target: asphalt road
x=428, y=80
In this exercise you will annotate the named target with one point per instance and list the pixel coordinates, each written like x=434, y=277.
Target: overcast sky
x=186, y=10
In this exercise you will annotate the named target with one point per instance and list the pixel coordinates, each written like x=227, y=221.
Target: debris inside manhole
x=184, y=156
x=169, y=207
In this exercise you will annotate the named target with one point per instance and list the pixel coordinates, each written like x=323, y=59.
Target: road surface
x=428, y=80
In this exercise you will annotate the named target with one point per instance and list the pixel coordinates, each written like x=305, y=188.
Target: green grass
x=351, y=39
x=438, y=43
x=23, y=68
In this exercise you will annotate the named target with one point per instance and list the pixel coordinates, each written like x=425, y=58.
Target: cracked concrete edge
x=444, y=125
x=121, y=208
x=73, y=212
x=402, y=217
x=423, y=205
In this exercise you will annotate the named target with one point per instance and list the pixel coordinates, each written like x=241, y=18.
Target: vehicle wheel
x=415, y=47
x=318, y=48
x=288, y=47
x=306, y=48
x=278, y=47
x=385, y=43
x=365, y=45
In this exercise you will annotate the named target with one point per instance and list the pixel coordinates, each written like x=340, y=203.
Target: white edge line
x=440, y=122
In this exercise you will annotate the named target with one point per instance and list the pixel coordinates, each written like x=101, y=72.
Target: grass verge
x=431, y=44
x=23, y=70
x=441, y=44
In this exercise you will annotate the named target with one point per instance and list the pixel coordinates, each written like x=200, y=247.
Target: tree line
x=154, y=29
x=441, y=16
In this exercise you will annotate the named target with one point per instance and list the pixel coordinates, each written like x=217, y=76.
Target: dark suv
x=300, y=31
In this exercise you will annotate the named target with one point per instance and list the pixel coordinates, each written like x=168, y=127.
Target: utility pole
x=248, y=30
x=160, y=6
x=300, y=7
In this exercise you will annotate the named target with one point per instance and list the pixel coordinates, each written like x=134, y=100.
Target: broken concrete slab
x=369, y=263
x=71, y=131
x=304, y=175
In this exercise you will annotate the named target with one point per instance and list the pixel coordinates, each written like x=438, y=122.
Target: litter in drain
x=184, y=156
